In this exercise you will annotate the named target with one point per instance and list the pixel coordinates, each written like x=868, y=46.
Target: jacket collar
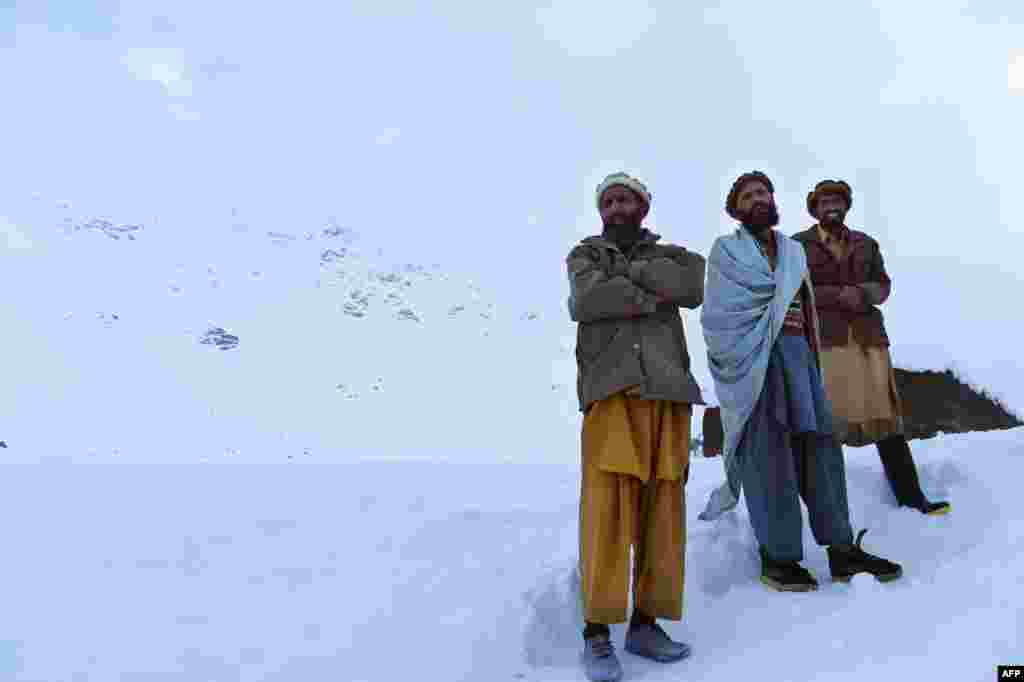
x=646, y=237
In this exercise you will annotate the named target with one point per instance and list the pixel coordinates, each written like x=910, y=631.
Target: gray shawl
x=745, y=303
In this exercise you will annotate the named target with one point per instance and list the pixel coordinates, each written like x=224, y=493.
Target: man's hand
x=676, y=281
x=638, y=310
x=853, y=299
x=875, y=292
x=638, y=277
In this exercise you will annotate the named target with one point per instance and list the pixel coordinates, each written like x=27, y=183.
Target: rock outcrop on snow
x=933, y=403
x=939, y=402
x=109, y=229
x=222, y=340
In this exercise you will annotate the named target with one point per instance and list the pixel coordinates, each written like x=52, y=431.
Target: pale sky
x=473, y=133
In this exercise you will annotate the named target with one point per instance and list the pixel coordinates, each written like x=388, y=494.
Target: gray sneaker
x=650, y=641
x=599, y=660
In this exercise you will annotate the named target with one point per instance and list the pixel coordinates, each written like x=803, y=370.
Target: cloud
x=167, y=66
x=164, y=65
x=1016, y=72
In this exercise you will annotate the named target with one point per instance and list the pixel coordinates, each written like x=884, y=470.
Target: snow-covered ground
x=434, y=570
x=380, y=482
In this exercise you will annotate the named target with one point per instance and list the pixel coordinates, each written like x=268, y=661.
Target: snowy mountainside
x=296, y=333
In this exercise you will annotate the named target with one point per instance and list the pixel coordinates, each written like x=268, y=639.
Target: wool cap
x=734, y=192
x=828, y=187
x=625, y=181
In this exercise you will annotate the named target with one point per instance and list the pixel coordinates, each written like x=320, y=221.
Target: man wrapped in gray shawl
x=745, y=304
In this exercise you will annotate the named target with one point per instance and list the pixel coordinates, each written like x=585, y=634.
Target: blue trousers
x=788, y=451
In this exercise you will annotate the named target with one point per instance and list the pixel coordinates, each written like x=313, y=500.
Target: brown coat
x=625, y=338
x=863, y=266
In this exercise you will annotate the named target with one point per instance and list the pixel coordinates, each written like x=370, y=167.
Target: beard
x=624, y=231
x=759, y=219
x=832, y=218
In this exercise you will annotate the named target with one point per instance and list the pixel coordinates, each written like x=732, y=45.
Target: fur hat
x=734, y=193
x=828, y=187
x=625, y=181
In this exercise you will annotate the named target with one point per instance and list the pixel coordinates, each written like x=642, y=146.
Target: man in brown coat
x=850, y=281
x=636, y=392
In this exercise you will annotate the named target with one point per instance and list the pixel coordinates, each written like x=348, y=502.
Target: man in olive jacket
x=636, y=392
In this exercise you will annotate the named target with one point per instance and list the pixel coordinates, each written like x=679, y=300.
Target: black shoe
x=934, y=508
x=846, y=561
x=785, y=576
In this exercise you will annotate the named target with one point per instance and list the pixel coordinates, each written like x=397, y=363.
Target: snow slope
x=461, y=571
x=332, y=334
x=380, y=482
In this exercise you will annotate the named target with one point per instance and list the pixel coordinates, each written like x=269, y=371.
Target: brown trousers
x=635, y=465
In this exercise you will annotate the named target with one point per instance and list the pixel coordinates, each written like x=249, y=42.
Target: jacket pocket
x=680, y=335
x=593, y=341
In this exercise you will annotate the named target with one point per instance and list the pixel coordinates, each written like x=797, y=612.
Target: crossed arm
x=676, y=279
x=875, y=290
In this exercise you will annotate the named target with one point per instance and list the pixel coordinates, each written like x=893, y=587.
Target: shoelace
x=860, y=536
x=661, y=630
x=658, y=629
x=858, y=552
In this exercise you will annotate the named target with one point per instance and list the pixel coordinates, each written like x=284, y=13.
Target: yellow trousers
x=635, y=465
